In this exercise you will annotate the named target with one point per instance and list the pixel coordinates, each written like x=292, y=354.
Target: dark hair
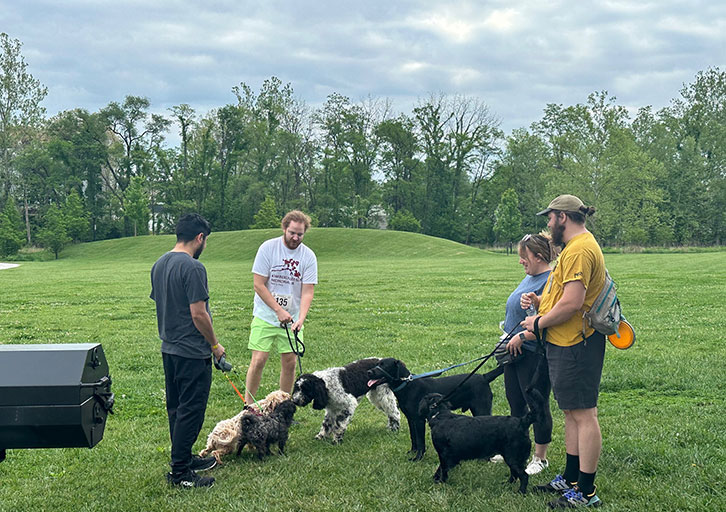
x=539, y=245
x=190, y=225
x=579, y=216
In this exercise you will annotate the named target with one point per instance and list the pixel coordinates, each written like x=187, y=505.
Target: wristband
x=214, y=347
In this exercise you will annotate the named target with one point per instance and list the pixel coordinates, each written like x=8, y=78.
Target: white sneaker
x=497, y=458
x=536, y=465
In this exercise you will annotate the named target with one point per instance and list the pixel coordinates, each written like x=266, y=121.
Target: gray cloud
x=516, y=56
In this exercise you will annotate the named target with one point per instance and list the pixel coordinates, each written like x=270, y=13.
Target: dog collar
x=403, y=383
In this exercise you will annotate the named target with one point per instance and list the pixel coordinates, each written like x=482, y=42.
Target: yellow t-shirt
x=580, y=260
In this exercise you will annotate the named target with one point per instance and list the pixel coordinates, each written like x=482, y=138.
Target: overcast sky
x=516, y=56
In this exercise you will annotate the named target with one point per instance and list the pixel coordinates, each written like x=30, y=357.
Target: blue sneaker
x=575, y=499
x=558, y=485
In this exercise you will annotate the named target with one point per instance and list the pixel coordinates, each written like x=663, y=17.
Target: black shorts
x=575, y=372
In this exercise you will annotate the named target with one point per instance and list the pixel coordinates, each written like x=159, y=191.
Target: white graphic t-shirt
x=286, y=271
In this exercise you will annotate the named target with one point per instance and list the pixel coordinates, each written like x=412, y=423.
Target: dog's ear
x=320, y=395
x=397, y=364
x=401, y=370
x=423, y=409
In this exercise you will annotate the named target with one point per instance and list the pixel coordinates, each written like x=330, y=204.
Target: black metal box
x=53, y=396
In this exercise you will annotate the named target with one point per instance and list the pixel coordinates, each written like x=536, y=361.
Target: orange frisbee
x=625, y=337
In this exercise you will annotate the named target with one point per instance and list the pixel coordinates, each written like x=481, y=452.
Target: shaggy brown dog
x=226, y=435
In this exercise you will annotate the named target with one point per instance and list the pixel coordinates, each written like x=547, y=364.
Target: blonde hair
x=540, y=245
x=295, y=216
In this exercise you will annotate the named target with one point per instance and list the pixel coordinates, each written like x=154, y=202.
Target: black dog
x=457, y=437
x=263, y=430
x=474, y=395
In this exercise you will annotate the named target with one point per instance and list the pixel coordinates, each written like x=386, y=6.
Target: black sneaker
x=557, y=485
x=202, y=463
x=190, y=479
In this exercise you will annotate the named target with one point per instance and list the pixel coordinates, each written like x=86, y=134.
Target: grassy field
x=427, y=301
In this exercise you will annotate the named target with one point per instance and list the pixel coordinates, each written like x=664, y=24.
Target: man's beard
x=198, y=252
x=558, y=232
x=290, y=243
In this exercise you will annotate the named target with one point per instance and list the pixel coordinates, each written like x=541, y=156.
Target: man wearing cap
x=575, y=351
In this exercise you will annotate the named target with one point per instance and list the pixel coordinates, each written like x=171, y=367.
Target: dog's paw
x=319, y=436
x=416, y=456
x=337, y=440
x=394, y=426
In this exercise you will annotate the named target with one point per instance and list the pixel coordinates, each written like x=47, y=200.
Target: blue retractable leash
x=436, y=373
x=296, y=349
x=484, y=360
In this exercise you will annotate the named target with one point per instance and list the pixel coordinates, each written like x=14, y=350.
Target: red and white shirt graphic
x=286, y=271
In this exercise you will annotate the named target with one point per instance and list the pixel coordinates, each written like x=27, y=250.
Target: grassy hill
x=329, y=243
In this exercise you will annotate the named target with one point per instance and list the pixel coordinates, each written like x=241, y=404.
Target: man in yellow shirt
x=575, y=351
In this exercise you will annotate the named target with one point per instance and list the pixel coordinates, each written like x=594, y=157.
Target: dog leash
x=436, y=373
x=485, y=359
x=433, y=373
x=222, y=365
x=296, y=349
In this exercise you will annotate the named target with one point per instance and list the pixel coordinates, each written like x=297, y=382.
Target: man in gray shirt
x=179, y=288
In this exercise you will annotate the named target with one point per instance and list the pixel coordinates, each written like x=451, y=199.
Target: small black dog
x=263, y=430
x=457, y=437
x=474, y=395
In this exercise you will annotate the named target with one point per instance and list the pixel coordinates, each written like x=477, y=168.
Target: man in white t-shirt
x=285, y=274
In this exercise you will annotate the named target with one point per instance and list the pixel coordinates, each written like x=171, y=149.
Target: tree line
x=445, y=169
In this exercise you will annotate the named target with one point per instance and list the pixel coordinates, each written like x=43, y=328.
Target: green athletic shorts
x=264, y=336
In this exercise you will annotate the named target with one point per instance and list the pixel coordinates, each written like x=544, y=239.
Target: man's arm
x=573, y=297
x=260, y=285
x=306, y=299
x=203, y=323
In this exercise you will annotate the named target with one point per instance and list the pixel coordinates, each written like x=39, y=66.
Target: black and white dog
x=339, y=391
x=474, y=395
x=458, y=437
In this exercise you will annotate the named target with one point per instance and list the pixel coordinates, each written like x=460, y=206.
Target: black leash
x=296, y=349
x=484, y=360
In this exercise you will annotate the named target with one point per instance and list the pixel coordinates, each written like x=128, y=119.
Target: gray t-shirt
x=178, y=280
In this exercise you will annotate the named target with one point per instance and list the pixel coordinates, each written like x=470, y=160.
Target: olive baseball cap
x=563, y=203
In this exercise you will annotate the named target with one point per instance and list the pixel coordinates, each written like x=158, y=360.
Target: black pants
x=187, y=390
x=517, y=377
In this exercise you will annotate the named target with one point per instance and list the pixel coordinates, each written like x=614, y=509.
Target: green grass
x=427, y=301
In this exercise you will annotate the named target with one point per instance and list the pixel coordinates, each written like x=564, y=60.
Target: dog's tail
x=536, y=402
x=493, y=374
x=248, y=420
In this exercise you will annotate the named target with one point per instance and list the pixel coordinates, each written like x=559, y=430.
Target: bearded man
x=575, y=351
x=285, y=273
x=179, y=288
